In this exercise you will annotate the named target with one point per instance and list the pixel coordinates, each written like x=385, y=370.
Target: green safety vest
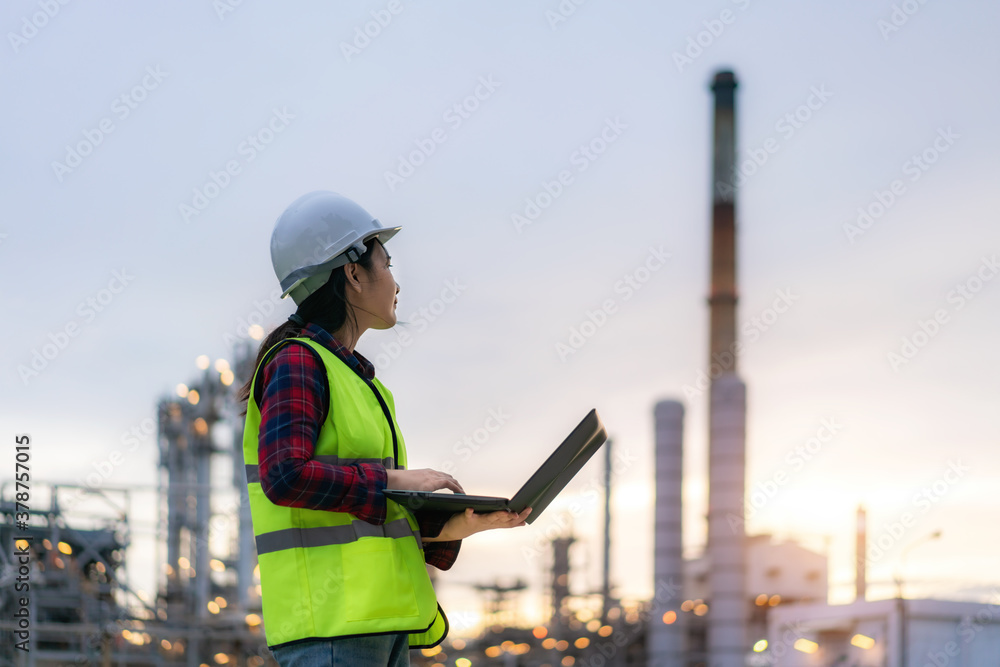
x=326, y=574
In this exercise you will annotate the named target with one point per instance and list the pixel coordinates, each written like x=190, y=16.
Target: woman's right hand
x=422, y=479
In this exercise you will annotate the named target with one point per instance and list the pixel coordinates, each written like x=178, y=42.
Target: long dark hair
x=327, y=307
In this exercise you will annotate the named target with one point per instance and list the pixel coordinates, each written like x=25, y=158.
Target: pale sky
x=127, y=239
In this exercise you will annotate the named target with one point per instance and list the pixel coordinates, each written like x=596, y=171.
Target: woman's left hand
x=468, y=523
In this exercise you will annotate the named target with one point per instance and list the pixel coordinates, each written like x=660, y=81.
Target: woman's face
x=378, y=296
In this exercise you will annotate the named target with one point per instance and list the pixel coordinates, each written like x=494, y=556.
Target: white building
x=935, y=633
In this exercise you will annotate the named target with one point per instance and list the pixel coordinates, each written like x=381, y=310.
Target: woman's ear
x=351, y=277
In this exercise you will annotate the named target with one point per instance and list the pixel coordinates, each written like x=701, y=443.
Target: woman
x=342, y=568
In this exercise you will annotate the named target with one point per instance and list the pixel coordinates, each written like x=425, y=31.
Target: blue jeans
x=390, y=650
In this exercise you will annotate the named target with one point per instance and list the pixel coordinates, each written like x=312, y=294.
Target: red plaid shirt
x=293, y=407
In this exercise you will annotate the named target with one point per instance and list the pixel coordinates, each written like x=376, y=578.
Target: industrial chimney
x=665, y=638
x=728, y=611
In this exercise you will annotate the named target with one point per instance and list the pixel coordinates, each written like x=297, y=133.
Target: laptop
x=540, y=489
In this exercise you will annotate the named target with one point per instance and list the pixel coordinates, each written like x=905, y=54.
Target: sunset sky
x=549, y=164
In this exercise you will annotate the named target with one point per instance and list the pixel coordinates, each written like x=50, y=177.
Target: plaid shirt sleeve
x=441, y=555
x=293, y=408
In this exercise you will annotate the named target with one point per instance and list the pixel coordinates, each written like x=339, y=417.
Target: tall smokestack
x=861, y=546
x=665, y=638
x=722, y=297
x=728, y=612
x=606, y=575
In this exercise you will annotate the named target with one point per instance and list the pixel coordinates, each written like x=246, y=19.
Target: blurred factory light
x=805, y=645
x=862, y=641
x=182, y=390
x=202, y=361
x=760, y=646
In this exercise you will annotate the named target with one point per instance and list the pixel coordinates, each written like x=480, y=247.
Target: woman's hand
x=422, y=479
x=468, y=523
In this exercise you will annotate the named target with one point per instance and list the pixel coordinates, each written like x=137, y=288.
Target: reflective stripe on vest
x=321, y=536
x=327, y=574
x=253, y=469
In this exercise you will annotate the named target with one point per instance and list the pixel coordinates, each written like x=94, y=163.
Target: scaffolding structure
x=207, y=609
x=80, y=608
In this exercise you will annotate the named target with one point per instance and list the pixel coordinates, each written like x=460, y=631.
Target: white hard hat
x=318, y=232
